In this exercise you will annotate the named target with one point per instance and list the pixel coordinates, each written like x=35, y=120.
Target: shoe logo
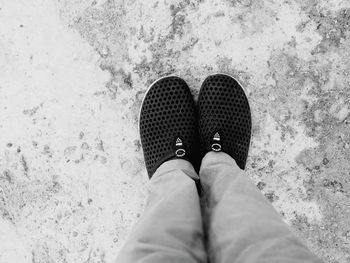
x=216, y=146
x=178, y=142
x=216, y=137
x=179, y=152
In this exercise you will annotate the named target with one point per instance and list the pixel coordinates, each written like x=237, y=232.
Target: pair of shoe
x=171, y=126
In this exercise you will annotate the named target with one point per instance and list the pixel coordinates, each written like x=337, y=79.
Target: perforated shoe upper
x=224, y=118
x=168, y=123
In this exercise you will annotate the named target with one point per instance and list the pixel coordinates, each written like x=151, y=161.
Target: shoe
x=224, y=118
x=168, y=123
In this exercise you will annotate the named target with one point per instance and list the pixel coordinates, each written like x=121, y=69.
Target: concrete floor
x=73, y=74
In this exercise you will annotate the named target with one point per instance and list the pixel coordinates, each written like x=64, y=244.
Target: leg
x=243, y=226
x=170, y=229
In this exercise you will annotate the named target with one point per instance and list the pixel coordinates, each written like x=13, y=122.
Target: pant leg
x=171, y=228
x=243, y=227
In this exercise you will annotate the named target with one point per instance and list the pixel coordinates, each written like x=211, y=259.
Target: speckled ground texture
x=74, y=72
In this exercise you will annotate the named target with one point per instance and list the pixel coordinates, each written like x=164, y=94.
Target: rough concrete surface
x=74, y=72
